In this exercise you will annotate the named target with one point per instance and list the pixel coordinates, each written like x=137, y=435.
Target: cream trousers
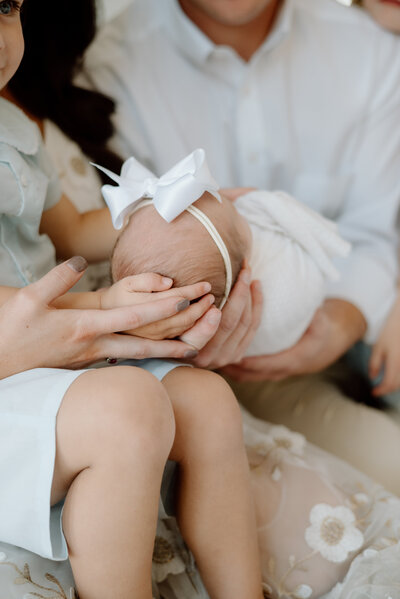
x=314, y=405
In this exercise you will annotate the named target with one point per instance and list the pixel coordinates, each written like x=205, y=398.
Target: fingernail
x=207, y=287
x=191, y=353
x=77, y=264
x=166, y=281
x=214, y=316
x=182, y=305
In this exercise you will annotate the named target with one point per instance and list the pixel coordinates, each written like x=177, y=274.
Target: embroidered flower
x=332, y=532
x=286, y=439
x=267, y=590
x=361, y=498
x=303, y=591
x=166, y=559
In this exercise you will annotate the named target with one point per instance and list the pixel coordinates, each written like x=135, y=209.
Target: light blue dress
x=29, y=401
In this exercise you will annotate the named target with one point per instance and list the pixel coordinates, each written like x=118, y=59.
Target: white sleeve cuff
x=369, y=285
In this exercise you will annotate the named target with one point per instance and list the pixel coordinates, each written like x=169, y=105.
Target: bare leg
x=215, y=508
x=115, y=428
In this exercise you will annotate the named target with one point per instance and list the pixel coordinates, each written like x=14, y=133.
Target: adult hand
x=386, y=355
x=336, y=326
x=35, y=334
x=239, y=321
x=150, y=287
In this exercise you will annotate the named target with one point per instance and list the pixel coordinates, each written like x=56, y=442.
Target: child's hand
x=149, y=287
x=386, y=354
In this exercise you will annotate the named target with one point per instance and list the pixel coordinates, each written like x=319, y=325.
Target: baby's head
x=183, y=249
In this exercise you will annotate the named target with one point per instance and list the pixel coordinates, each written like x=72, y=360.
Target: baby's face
x=385, y=12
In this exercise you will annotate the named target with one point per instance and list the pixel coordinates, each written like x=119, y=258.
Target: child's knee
x=140, y=406
x=122, y=409
x=216, y=410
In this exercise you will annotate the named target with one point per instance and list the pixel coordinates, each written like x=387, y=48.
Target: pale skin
x=161, y=421
x=75, y=338
x=116, y=427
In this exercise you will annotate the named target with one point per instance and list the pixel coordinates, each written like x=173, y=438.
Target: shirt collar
x=281, y=28
x=190, y=39
x=17, y=130
x=198, y=47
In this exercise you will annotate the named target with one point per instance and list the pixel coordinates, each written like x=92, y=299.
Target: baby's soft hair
x=182, y=250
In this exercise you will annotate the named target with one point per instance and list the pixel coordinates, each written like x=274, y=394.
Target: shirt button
x=29, y=274
x=24, y=181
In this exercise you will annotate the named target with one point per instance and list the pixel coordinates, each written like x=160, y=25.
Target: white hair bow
x=172, y=193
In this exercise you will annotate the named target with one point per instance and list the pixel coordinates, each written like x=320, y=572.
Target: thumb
x=376, y=361
x=59, y=279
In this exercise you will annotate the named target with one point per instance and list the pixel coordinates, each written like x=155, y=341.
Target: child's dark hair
x=57, y=34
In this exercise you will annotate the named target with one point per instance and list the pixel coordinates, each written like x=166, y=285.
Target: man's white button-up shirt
x=315, y=112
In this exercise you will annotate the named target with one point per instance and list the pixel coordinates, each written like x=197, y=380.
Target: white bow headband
x=171, y=194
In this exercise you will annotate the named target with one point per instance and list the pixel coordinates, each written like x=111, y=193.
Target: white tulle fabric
x=172, y=193
x=324, y=529
x=293, y=248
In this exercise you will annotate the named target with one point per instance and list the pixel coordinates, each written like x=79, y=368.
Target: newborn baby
x=194, y=233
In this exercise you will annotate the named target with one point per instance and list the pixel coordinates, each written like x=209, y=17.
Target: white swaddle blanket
x=292, y=253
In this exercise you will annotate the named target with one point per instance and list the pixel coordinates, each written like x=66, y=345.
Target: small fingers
x=147, y=282
x=177, y=324
x=190, y=292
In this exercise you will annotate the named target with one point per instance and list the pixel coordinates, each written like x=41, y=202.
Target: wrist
x=349, y=319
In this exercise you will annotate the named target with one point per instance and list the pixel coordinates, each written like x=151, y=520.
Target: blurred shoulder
x=334, y=13
x=136, y=22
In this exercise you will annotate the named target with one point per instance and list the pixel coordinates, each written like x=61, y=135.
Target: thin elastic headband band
x=216, y=237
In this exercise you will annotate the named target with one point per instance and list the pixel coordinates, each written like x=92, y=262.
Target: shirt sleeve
x=11, y=199
x=54, y=192
x=369, y=218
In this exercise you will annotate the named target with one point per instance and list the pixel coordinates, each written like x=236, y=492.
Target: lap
x=315, y=406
